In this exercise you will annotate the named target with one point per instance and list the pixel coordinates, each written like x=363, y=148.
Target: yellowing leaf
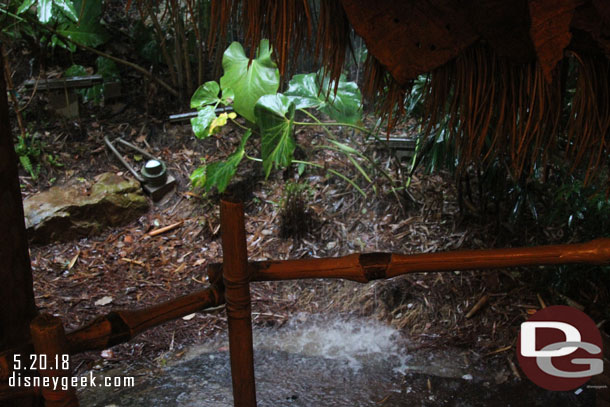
x=218, y=122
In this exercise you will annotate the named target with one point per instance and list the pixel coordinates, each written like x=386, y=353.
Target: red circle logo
x=560, y=348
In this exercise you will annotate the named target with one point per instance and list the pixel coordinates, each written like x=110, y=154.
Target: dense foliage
x=250, y=87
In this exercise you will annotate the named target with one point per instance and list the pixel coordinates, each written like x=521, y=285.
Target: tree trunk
x=16, y=289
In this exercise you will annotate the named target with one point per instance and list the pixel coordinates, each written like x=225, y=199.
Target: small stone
x=104, y=301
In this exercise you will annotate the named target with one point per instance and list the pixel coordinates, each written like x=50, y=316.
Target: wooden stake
x=237, y=295
x=51, y=348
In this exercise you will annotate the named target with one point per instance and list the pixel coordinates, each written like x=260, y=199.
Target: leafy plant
x=249, y=79
x=77, y=20
x=250, y=87
x=105, y=67
x=28, y=151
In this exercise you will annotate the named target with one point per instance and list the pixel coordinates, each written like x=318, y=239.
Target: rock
x=80, y=209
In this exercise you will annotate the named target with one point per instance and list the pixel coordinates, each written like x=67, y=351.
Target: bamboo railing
x=229, y=282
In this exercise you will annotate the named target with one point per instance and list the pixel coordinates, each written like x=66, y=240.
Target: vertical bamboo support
x=51, y=347
x=237, y=295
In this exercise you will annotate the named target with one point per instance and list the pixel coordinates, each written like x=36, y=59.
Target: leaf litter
x=165, y=253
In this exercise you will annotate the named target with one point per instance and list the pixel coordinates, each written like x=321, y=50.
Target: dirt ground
x=136, y=270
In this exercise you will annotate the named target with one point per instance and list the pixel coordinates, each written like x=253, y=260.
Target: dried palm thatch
x=497, y=108
x=497, y=69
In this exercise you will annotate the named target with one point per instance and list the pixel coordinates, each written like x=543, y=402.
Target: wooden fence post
x=237, y=296
x=51, y=347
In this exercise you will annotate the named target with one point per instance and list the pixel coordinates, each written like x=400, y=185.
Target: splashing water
x=354, y=341
x=329, y=361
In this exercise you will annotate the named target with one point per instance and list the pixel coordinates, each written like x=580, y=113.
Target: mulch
x=126, y=268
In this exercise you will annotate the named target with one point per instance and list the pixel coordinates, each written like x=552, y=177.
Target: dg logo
x=560, y=348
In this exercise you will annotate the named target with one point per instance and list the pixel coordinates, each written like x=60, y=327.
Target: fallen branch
x=477, y=306
x=138, y=262
x=164, y=229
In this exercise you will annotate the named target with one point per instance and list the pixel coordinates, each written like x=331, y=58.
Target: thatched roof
x=497, y=67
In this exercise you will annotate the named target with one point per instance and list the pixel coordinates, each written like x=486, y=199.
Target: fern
x=27, y=153
x=26, y=163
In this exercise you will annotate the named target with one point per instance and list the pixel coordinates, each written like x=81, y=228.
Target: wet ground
x=332, y=362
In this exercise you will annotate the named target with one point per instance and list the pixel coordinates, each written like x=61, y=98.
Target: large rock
x=80, y=208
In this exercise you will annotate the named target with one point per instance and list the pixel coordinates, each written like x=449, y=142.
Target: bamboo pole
x=121, y=326
x=237, y=293
x=51, y=348
x=366, y=267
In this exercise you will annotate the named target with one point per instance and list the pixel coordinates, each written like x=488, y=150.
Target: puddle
x=316, y=361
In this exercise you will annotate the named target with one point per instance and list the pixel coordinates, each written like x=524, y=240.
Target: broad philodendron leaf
x=219, y=174
x=249, y=79
x=88, y=31
x=201, y=123
x=89, y=34
x=311, y=91
x=206, y=94
x=227, y=96
x=44, y=10
x=274, y=116
x=305, y=92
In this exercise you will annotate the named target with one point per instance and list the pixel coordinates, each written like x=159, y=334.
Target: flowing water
x=330, y=361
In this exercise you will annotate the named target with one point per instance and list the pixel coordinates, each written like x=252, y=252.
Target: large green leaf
x=219, y=174
x=88, y=31
x=89, y=34
x=249, y=79
x=206, y=94
x=274, y=116
x=311, y=91
x=201, y=123
x=44, y=10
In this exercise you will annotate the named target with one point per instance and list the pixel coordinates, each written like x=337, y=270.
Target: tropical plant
x=77, y=20
x=250, y=87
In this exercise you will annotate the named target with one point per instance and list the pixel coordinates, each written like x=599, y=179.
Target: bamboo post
x=51, y=349
x=237, y=296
